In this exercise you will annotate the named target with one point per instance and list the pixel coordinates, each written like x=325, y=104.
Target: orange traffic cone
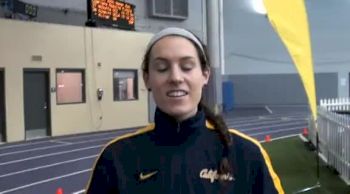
x=59, y=191
x=267, y=138
x=305, y=132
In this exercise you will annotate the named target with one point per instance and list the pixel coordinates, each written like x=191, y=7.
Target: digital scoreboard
x=24, y=8
x=113, y=13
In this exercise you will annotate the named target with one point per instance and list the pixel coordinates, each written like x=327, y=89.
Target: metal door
x=2, y=107
x=36, y=103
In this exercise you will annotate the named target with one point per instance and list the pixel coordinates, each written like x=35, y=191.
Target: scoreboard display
x=113, y=13
x=24, y=8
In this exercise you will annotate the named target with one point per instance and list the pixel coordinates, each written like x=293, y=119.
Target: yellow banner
x=289, y=19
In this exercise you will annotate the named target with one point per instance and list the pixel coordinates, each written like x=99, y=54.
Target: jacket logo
x=143, y=176
x=213, y=175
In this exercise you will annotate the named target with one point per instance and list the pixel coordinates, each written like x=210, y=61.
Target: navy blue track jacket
x=182, y=158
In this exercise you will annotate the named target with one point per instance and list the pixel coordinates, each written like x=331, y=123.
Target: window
x=174, y=9
x=124, y=85
x=70, y=86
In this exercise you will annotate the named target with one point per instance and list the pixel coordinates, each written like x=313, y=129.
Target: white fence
x=336, y=104
x=334, y=134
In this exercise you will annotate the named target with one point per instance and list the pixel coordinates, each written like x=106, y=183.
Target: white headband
x=177, y=32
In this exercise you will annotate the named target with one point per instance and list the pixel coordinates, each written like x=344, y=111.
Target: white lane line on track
x=79, y=192
x=267, y=122
x=47, y=155
x=278, y=138
x=242, y=118
x=120, y=132
x=22, y=145
x=267, y=127
x=54, y=146
x=268, y=109
x=265, y=118
x=47, y=166
x=44, y=181
x=275, y=131
x=304, y=139
x=61, y=142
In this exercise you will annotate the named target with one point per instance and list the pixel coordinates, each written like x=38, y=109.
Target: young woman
x=188, y=149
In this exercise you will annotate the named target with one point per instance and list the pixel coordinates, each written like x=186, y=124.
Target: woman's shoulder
x=128, y=139
x=249, y=146
x=246, y=142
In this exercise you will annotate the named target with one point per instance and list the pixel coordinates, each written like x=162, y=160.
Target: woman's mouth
x=176, y=93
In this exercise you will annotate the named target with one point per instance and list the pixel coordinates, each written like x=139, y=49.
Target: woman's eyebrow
x=186, y=57
x=160, y=59
x=167, y=60
x=188, y=60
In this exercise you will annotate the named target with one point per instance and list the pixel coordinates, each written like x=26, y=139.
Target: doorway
x=36, y=103
x=2, y=107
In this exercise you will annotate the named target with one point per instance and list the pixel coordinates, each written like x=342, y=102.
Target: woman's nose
x=176, y=75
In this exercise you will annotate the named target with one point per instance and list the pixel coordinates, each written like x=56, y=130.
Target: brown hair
x=216, y=120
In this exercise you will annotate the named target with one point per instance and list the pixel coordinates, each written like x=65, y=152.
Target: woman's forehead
x=173, y=45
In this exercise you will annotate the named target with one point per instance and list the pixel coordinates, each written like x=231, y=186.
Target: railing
x=334, y=134
x=336, y=104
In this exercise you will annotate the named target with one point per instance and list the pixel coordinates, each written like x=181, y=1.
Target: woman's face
x=175, y=76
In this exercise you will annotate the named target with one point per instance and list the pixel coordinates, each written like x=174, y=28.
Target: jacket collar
x=168, y=131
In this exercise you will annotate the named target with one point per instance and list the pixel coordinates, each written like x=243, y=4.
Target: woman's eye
x=161, y=69
x=160, y=66
x=187, y=67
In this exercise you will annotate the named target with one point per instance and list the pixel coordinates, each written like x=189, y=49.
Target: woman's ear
x=206, y=75
x=146, y=81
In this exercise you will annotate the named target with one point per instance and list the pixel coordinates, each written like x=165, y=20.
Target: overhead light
x=258, y=6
